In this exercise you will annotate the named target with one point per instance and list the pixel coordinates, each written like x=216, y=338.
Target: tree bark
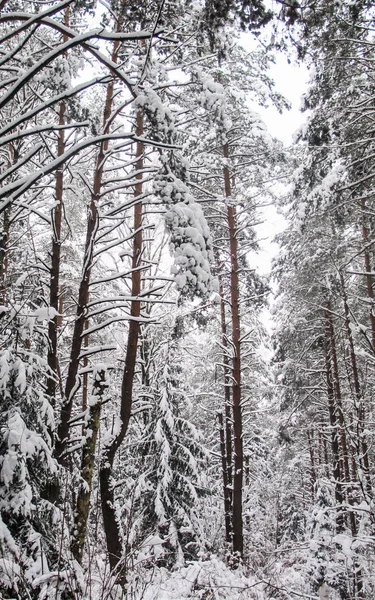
x=339, y=496
x=4, y=249
x=338, y=398
x=87, y=467
x=227, y=431
x=55, y=266
x=72, y=380
x=310, y=439
x=363, y=450
x=343, y=445
x=236, y=365
x=52, y=357
x=224, y=469
x=368, y=276
x=5, y=234
x=111, y=525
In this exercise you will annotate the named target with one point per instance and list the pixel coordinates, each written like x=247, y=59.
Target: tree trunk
x=111, y=526
x=55, y=266
x=344, y=451
x=337, y=395
x=85, y=376
x=72, y=380
x=227, y=431
x=4, y=248
x=52, y=357
x=87, y=466
x=310, y=439
x=53, y=487
x=369, y=275
x=334, y=429
x=224, y=469
x=236, y=365
x=363, y=450
x=4, y=237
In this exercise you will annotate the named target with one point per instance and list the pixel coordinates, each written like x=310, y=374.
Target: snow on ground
x=207, y=580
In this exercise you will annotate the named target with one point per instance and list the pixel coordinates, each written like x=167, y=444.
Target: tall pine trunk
x=237, y=521
x=225, y=424
x=72, y=380
x=332, y=411
x=82, y=507
x=313, y=477
x=343, y=443
x=369, y=273
x=111, y=526
x=224, y=469
x=338, y=398
x=13, y=158
x=57, y=215
x=360, y=437
x=4, y=259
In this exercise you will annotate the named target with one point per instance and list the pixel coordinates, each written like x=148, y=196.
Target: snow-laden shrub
x=31, y=552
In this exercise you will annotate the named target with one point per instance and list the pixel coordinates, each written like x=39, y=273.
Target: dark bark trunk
x=325, y=444
x=85, y=377
x=310, y=439
x=4, y=248
x=87, y=467
x=53, y=324
x=323, y=453
x=337, y=396
x=236, y=366
x=344, y=451
x=369, y=275
x=224, y=468
x=72, y=381
x=334, y=429
x=55, y=266
x=227, y=431
x=111, y=526
x=4, y=237
x=360, y=438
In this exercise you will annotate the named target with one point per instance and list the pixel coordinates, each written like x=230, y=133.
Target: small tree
x=173, y=462
x=31, y=563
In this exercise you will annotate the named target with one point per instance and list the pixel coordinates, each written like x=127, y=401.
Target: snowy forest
x=176, y=423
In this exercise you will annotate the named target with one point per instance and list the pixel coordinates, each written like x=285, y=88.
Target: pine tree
x=172, y=462
x=32, y=565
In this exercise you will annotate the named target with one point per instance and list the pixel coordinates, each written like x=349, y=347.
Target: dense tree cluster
x=325, y=308
x=151, y=439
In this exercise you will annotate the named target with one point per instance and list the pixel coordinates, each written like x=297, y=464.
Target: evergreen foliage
x=137, y=456
x=173, y=459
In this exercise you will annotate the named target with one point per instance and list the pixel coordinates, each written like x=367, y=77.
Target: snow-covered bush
x=32, y=561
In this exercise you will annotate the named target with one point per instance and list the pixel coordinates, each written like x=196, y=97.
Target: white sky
x=291, y=80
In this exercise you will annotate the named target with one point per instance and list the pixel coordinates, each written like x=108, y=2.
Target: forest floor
x=208, y=579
